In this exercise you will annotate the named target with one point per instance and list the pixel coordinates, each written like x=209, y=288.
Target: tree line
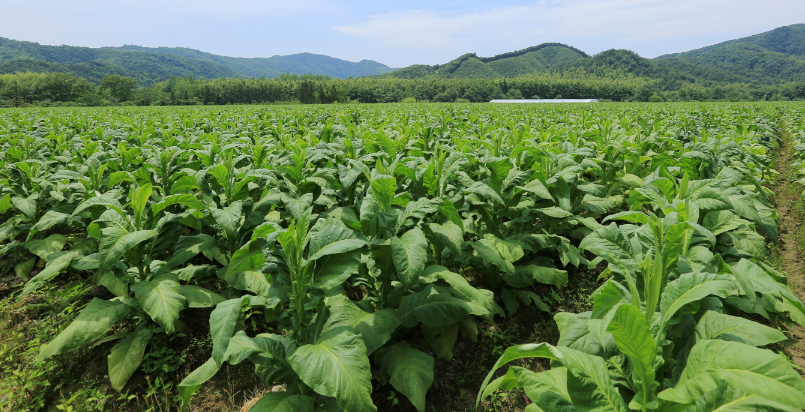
x=64, y=89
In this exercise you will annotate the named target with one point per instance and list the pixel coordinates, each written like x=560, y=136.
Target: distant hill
x=301, y=63
x=788, y=40
x=773, y=57
x=542, y=58
x=148, y=65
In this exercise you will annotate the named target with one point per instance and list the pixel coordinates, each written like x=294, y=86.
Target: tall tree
x=120, y=87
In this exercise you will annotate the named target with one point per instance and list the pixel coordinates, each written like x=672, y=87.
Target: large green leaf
x=52, y=269
x=336, y=365
x=692, y=287
x=589, y=384
x=754, y=371
x=460, y=286
x=22, y=269
x=554, y=211
x=333, y=239
x=441, y=340
x=435, y=307
x=283, y=402
x=229, y=218
x=449, y=234
x=526, y=275
x=189, y=385
x=140, y=201
x=50, y=219
x=410, y=254
x=100, y=201
x=334, y=270
x=634, y=339
x=26, y=206
x=160, y=299
x=116, y=242
x=538, y=188
x=93, y=322
x=376, y=328
x=484, y=190
x=183, y=199
x=722, y=221
x=383, y=190
x=714, y=325
x=198, y=297
x=186, y=248
x=610, y=243
x=410, y=371
x=584, y=334
x=533, y=350
x=48, y=246
x=245, y=269
x=126, y=357
x=726, y=398
x=499, y=252
x=548, y=390
x=223, y=320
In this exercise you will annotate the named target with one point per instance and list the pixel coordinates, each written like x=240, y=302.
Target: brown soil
x=791, y=215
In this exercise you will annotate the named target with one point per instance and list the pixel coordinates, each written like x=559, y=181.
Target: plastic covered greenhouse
x=544, y=101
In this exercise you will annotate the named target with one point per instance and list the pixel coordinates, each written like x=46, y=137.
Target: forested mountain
x=788, y=40
x=300, y=63
x=773, y=57
x=537, y=59
x=149, y=65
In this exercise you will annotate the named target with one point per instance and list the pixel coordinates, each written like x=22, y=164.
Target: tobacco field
x=350, y=258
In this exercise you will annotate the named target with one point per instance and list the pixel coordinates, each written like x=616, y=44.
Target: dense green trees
x=606, y=83
x=120, y=87
x=24, y=88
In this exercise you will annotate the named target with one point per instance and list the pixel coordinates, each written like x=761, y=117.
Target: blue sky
x=394, y=33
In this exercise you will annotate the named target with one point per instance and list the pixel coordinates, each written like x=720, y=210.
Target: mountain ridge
x=773, y=57
x=149, y=65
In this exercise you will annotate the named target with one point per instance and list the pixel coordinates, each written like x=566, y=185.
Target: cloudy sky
x=395, y=33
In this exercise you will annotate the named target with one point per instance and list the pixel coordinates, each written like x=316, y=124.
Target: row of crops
x=351, y=236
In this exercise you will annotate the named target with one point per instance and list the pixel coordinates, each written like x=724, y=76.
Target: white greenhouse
x=544, y=101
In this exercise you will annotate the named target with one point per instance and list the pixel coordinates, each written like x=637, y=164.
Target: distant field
x=391, y=257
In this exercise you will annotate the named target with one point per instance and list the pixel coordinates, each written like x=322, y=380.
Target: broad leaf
x=229, y=218
x=189, y=385
x=714, y=325
x=116, y=242
x=376, y=328
x=751, y=370
x=634, y=339
x=93, y=322
x=223, y=320
x=126, y=357
x=160, y=299
x=332, y=240
x=691, y=287
x=183, y=199
x=51, y=270
x=46, y=247
x=336, y=365
x=198, y=297
x=435, y=307
x=410, y=371
x=283, y=402
x=410, y=254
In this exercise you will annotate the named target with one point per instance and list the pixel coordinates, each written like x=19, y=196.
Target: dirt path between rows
x=790, y=221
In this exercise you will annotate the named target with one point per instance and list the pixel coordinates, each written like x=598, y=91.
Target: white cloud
x=641, y=25
x=229, y=9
